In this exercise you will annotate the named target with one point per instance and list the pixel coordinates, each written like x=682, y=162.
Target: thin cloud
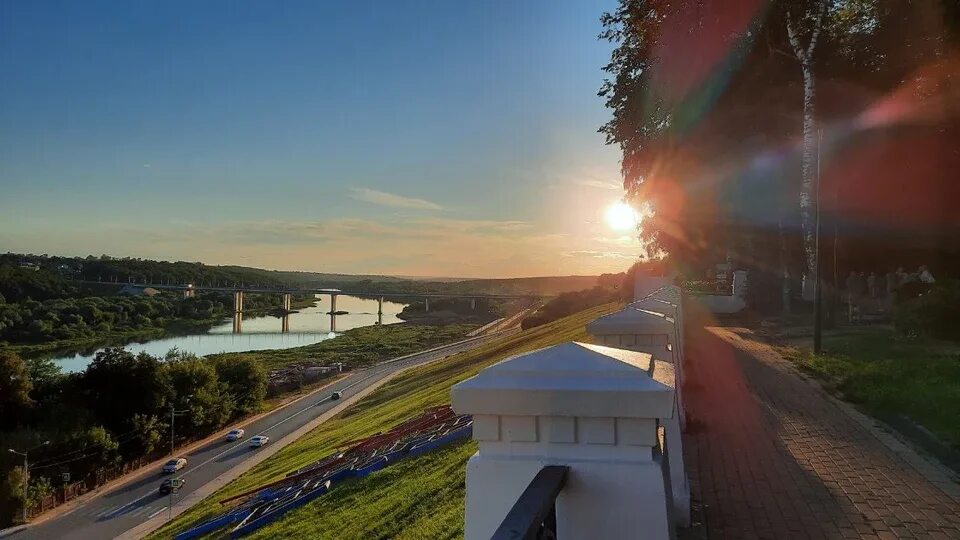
x=383, y=198
x=600, y=184
x=484, y=225
x=602, y=254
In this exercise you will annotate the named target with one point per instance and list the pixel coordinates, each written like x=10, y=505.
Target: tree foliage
x=15, y=386
x=117, y=409
x=715, y=107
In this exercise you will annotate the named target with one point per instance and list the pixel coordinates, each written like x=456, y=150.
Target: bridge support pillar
x=285, y=324
x=380, y=310
x=287, y=302
x=189, y=293
x=238, y=323
x=426, y=304
x=238, y=301
x=333, y=312
x=473, y=303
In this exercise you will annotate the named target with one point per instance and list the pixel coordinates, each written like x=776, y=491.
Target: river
x=307, y=326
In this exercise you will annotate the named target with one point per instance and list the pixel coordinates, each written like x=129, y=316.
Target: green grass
x=363, y=346
x=888, y=375
x=419, y=498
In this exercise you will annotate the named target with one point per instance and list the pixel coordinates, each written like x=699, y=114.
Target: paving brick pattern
x=772, y=456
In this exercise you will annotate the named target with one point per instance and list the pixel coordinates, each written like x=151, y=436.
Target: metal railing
x=533, y=516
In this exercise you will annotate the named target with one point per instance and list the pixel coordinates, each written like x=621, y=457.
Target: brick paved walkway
x=772, y=456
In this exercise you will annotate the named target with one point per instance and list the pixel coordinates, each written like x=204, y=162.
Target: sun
x=621, y=216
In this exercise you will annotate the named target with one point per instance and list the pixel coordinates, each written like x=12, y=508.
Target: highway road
x=137, y=500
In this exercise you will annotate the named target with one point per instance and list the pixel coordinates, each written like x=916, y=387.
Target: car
x=174, y=465
x=235, y=434
x=336, y=395
x=258, y=441
x=171, y=485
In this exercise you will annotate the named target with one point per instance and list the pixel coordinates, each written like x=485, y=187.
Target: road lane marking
x=153, y=515
x=116, y=509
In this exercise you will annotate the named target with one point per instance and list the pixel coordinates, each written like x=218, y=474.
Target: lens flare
x=621, y=216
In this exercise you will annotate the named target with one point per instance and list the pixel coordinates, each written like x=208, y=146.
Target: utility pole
x=26, y=473
x=818, y=293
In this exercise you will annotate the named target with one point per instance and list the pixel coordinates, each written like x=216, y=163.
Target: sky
x=418, y=138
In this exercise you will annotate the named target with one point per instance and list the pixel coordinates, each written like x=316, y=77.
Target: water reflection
x=247, y=333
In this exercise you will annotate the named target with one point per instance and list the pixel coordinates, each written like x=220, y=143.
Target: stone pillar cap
x=632, y=320
x=571, y=379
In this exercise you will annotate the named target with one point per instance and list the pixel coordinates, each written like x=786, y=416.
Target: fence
x=91, y=481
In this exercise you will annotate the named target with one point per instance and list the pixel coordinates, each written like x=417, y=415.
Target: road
x=133, y=502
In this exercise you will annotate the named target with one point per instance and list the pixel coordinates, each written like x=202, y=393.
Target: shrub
x=933, y=314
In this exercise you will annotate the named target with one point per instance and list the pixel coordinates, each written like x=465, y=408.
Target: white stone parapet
x=654, y=325
x=595, y=409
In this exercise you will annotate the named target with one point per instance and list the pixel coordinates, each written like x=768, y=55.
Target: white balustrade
x=595, y=409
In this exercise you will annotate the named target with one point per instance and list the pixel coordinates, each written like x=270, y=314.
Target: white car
x=235, y=434
x=258, y=441
x=174, y=465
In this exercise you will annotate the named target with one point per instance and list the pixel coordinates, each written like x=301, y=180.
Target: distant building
x=30, y=266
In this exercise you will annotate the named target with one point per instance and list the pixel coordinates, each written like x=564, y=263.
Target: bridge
x=239, y=290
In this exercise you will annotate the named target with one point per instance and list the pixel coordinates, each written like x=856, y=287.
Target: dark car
x=171, y=485
x=336, y=396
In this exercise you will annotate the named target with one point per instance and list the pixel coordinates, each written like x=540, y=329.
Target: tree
x=12, y=497
x=804, y=23
x=194, y=386
x=118, y=385
x=244, y=379
x=15, y=389
x=43, y=371
x=98, y=444
x=147, y=433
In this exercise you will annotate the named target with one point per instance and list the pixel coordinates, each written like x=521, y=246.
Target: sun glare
x=621, y=216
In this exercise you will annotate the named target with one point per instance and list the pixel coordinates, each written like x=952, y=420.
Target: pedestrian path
x=770, y=455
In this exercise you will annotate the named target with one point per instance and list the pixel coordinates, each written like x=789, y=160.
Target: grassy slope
x=418, y=498
x=888, y=375
x=363, y=346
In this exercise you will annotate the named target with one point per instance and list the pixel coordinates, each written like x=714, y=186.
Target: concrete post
x=426, y=304
x=590, y=407
x=473, y=303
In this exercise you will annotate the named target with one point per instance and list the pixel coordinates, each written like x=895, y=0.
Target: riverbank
x=173, y=328
x=360, y=347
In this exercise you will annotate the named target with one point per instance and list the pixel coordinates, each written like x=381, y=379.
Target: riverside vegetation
x=124, y=400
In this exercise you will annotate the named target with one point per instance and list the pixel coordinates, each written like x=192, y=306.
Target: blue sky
x=412, y=138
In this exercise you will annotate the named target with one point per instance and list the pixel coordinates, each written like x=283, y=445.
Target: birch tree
x=804, y=24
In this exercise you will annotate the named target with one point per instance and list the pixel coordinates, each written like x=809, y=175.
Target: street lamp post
x=26, y=473
x=818, y=294
x=173, y=416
